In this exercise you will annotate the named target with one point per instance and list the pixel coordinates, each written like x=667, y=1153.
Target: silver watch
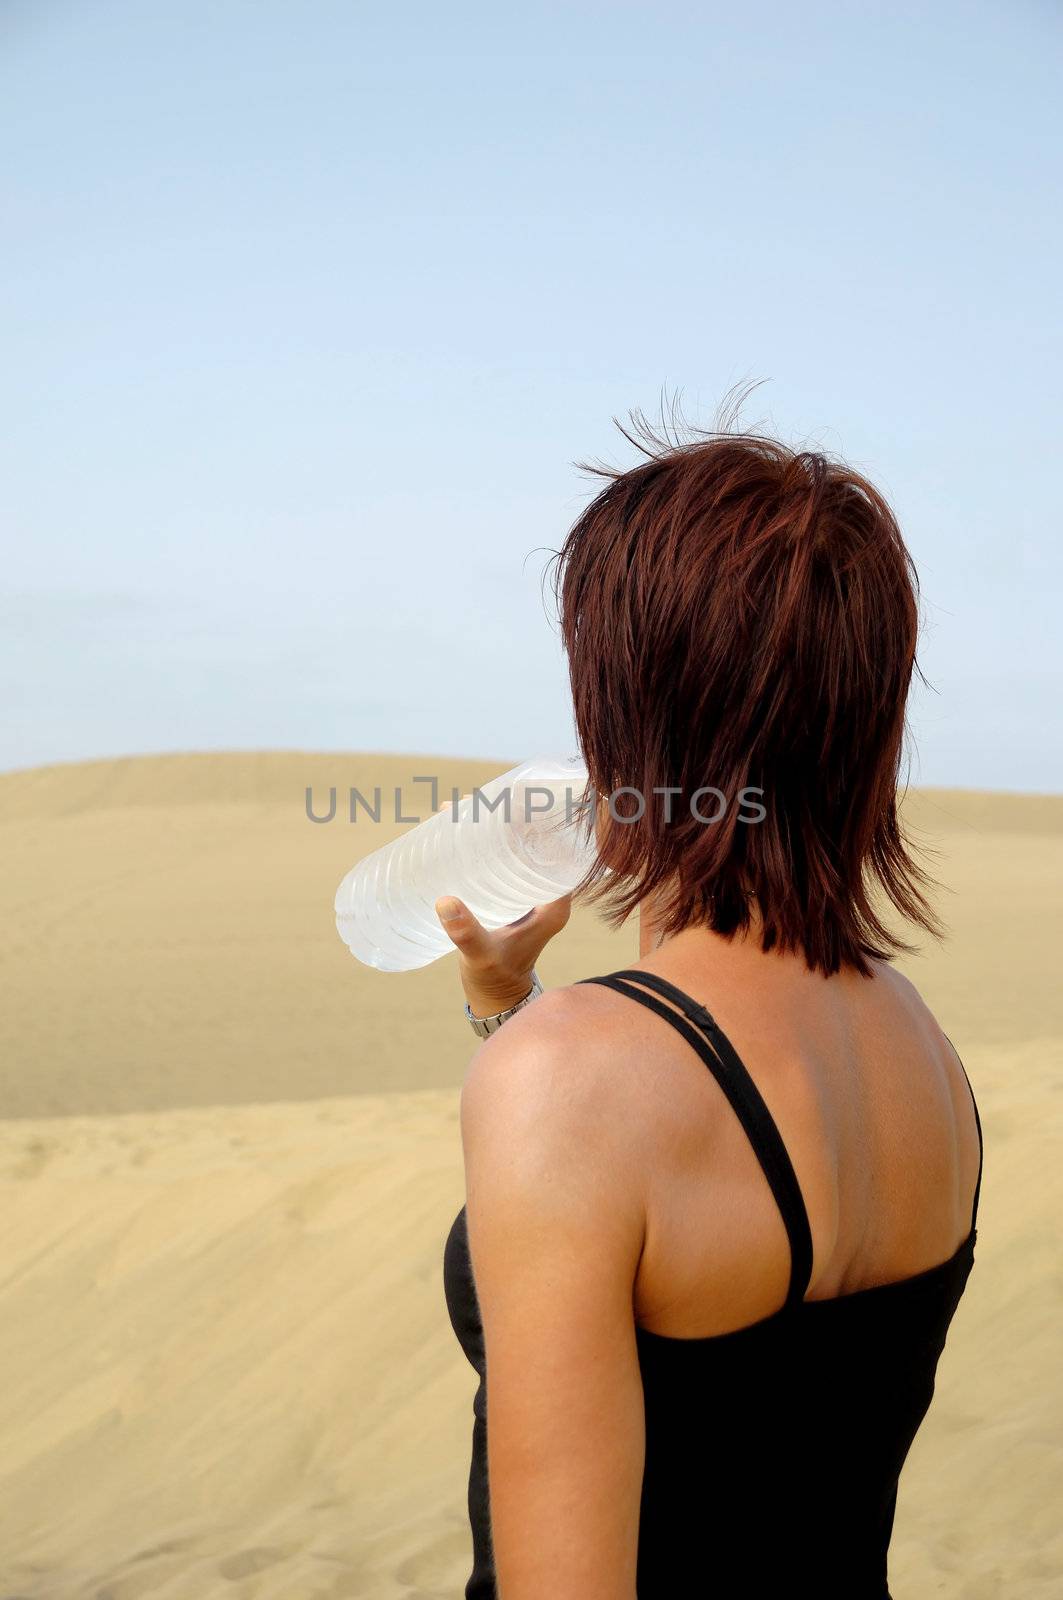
x=485, y=1026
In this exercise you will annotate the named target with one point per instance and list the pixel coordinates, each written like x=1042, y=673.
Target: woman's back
x=871, y=1103
x=810, y=1174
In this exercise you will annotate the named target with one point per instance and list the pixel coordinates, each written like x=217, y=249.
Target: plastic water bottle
x=522, y=839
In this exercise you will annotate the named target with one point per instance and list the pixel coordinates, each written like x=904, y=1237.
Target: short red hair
x=740, y=615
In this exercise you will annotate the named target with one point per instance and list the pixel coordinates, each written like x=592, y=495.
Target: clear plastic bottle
x=504, y=854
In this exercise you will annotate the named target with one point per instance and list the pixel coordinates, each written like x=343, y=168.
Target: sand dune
x=231, y=1155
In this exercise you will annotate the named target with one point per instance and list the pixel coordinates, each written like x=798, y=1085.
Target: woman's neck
x=650, y=935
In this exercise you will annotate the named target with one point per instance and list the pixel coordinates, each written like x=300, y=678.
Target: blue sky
x=309, y=309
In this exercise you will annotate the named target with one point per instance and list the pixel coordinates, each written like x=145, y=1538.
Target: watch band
x=483, y=1027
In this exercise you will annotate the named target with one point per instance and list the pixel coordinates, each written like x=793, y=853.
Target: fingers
x=460, y=925
x=551, y=917
x=473, y=938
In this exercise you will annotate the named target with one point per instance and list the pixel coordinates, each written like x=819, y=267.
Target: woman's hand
x=496, y=965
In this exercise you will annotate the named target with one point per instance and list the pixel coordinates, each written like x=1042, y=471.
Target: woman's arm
x=556, y=1225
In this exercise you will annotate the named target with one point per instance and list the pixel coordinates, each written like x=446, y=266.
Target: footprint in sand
x=168, y=1547
x=36, y=1153
x=247, y=1562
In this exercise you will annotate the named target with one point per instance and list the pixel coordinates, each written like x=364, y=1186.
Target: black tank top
x=773, y=1452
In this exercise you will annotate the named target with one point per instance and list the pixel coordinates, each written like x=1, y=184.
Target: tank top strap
x=978, y=1125
x=723, y=1061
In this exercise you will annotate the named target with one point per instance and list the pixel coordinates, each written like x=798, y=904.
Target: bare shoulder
x=558, y=1073
x=924, y=1029
x=568, y=1034
x=910, y=1004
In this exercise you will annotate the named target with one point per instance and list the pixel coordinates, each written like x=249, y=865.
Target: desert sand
x=230, y=1157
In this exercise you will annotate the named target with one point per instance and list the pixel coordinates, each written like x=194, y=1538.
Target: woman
x=720, y=1208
